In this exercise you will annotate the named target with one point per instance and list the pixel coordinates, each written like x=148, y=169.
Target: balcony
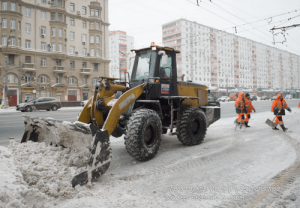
x=59, y=70
x=86, y=71
x=28, y=67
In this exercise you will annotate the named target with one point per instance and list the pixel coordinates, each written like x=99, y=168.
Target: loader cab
x=155, y=66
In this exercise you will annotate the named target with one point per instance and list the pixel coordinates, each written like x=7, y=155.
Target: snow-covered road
x=256, y=168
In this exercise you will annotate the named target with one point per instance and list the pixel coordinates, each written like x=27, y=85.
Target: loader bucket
x=87, y=140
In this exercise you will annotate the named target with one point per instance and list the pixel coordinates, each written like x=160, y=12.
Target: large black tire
x=143, y=134
x=192, y=127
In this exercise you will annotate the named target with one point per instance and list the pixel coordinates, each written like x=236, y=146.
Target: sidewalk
x=13, y=109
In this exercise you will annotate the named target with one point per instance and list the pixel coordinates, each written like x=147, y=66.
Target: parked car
x=213, y=102
x=233, y=96
x=42, y=103
x=253, y=97
x=265, y=97
x=274, y=98
x=224, y=98
x=83, y=103
x=288, y=97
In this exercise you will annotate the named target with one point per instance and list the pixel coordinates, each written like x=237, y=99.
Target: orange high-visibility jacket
x=239, y=102
x=279, y=104
x=248, y=104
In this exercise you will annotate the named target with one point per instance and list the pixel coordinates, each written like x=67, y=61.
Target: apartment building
x=62, y=46
x=120, y=45
x=221, y=60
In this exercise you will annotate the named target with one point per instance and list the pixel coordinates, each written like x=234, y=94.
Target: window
x=97, y=39
x=83, y=65
x=92, y=52
x=43, y=15
x=60, y=16
x=92, y=25
x=72, y=80
x=12, y=6
x=13, y=41
x=84, y=51
x=4, y=5
x=59, y=3
x=20, y=8
x=43, y=30
x=27, y=59
x=72, y=7
x=83, y=38
x=11, y=78
x=72, y=64
x=53, y=46
x=72, y=49
x=43, y=46
x=72, y=22
x=53, y=31
x=97, y=26
x=27, y=43
x=97, y=12
x=27, y=78
x=83, y=24
x=43, y=1
x=11, y=59
x=4, y=40
x=60, y=32
x=27, y=12
x=98, y=52
x=4, y=23
x=19, y=42
x=92, y=12
x=57, y=79
x=43, y=79
x=94, y=81
x=58, y=62
x=19, y=25
x=91, y=39
x=83, y=10
x=72, y=35
x=60, y=47
x=12, y=24
x=84, y=80
x=52, y=16
x=95, y=67
x=28, y=27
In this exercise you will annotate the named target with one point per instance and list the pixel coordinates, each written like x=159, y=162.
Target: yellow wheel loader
x=142, y=108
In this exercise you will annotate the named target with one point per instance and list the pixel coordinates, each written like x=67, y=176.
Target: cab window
x=165, y=70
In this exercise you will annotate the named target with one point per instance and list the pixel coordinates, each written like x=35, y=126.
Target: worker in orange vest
x=240, y=108
x=278, y=107
x=249, y=107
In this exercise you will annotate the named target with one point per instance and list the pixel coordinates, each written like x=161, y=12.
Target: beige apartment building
x=62, y=46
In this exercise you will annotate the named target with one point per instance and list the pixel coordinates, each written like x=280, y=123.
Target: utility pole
x=20, y=92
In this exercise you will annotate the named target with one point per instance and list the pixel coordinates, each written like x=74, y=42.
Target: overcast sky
x=143, y=19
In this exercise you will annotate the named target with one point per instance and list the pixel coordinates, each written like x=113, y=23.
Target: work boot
x=283, y=128
x=275, y=128
x=246, y=123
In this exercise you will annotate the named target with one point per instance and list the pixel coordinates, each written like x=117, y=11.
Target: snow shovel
x=239, y=127
x=271, y=123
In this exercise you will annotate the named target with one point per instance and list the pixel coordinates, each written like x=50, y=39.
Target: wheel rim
x=195, y=126
x=149, y=136
x=28, y=109
x=54, y=108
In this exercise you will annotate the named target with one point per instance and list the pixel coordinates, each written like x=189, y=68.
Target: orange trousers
x=241, y=117
x=247, y=117
x=279, y=120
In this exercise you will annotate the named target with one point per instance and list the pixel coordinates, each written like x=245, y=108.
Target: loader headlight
x=153, y=80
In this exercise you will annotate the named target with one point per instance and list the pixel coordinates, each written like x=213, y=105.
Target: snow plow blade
x=87, y=140
x=239, y=127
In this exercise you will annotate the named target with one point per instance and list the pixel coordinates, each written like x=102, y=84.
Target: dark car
x=274, y=98
x=253, y=97
x=213, y=102
x=42, y=103
x=265, y=97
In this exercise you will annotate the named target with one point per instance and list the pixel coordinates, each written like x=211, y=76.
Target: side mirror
x=164, y=60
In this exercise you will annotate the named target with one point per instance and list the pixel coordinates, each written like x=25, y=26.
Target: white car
x=83, y=103
x=288, y=97
x=224, y=98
